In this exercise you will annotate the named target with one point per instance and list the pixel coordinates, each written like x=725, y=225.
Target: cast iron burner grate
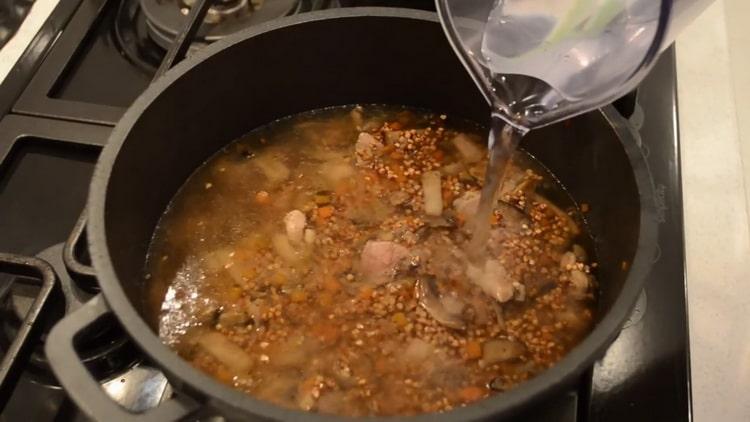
x=145, y=29
x=30, y=309
x=22, y=272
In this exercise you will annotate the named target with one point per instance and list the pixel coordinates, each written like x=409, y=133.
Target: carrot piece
x=395, y=125
x=470, y=394
x=325, y=212
x=366, y=292
x=473, y=350
x=331, y=285
x=438, y=155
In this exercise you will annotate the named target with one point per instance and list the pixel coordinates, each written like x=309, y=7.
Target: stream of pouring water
x=502, y=143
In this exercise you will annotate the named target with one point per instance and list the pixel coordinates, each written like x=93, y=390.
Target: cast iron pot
x=345, y=56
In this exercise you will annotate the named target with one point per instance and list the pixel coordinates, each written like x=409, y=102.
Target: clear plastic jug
x=542, y=61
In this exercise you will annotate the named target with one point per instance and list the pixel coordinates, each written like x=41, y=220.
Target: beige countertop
x=10, y=53
x=714, y=90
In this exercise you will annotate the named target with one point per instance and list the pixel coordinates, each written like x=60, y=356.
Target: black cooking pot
x=345, y=56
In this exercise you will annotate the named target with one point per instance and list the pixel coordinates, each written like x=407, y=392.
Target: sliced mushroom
x=429, y=299
x=501, y=350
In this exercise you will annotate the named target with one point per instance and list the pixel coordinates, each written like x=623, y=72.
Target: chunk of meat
x=493, y=279
x=366, y=147
x=295, y=222
x=272, y=167
x=512, y=223
x=379, y=260
x=467, y=204
x=580, y=282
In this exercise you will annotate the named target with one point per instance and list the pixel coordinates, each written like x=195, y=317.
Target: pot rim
x=575, y=362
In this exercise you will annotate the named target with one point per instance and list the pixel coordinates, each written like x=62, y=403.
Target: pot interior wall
x=341, y=61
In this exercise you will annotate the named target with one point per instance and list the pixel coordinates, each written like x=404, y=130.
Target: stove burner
x=144, y=29
x=166, y=18
x=106, y=352
x=224, y=9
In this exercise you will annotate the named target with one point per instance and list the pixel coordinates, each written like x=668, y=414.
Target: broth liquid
x=308, y=323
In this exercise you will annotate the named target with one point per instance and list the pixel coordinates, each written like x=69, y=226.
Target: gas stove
x=91, y=59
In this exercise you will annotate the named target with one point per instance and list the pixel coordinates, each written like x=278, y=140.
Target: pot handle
x=84, y=388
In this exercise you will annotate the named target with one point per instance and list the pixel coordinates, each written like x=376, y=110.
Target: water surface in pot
x=319, y=263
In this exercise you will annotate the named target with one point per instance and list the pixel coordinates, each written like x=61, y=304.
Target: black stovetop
x=91, y=59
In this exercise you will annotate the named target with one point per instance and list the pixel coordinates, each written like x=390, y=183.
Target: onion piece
x=469, y=150
x=272, y=168
x=217, y=260
x=452, y=169
x=567, y=259
x=295, y=222
x=417, y=351
x=335, y=171
x=580, y=283
x=580, y=253
x=226, y=352
x=309, y=236
x=284, y=248
x=433, y=193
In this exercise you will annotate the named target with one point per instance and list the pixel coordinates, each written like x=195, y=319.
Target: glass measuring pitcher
x=541, y=61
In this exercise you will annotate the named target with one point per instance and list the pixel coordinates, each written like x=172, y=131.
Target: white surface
x=10, y=53
x=716, y=218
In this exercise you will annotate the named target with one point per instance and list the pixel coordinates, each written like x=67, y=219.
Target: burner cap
x=165, y=18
